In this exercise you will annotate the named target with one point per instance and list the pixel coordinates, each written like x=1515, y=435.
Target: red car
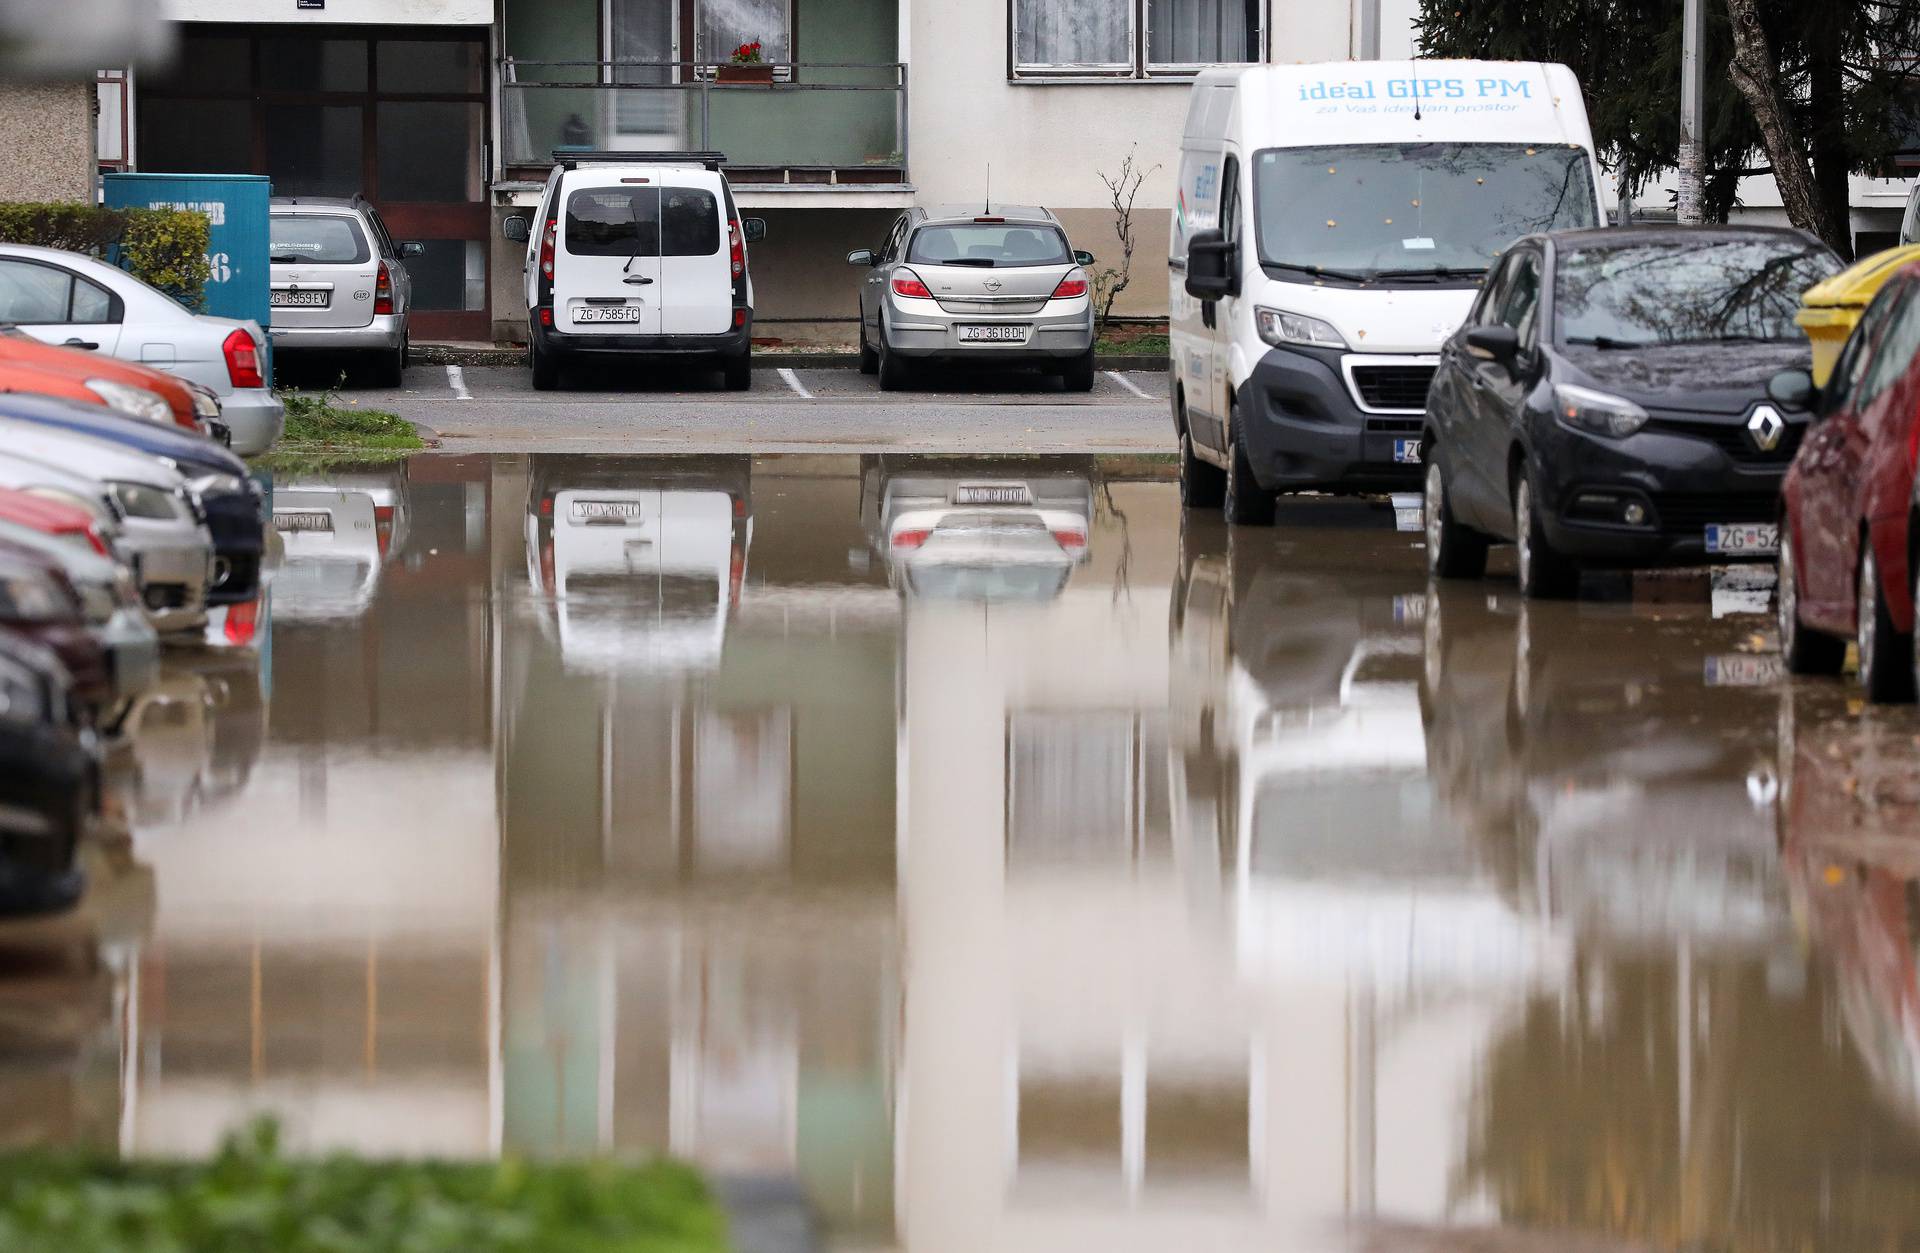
x=51, y=517
x=1849, y=516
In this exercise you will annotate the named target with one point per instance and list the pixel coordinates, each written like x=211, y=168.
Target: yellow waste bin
x=1830, y=310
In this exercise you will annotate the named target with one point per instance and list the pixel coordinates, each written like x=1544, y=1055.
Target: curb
x=439, y=354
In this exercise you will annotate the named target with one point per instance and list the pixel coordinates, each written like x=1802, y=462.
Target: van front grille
x=1392, y=386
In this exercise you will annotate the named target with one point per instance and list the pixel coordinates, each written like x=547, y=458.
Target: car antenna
x=989, y=204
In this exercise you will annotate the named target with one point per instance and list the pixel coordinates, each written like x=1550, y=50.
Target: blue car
x=230, y=500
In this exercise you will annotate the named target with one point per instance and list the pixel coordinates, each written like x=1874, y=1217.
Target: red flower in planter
x=747, y=54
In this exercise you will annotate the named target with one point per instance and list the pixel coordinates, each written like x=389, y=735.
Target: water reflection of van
x=985, y=528
x=639, y=561
x=337, y=530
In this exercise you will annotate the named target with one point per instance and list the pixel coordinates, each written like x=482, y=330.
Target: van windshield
x=1419, y=212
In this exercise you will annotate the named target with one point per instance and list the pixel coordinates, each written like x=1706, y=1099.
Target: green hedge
x=166, y=247
x=251, y=1199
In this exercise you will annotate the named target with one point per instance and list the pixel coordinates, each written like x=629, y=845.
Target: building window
x=1131, y=38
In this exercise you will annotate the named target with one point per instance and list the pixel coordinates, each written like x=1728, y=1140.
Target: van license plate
x=1406, y=451
x=1756, y=539
x=298, y=300
x=607, y=510
x=992, y=494
x=1745, y=670
x=993, y=334
x=607, y=313
x=304, y=520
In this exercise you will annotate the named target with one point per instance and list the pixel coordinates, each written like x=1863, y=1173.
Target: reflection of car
x=978, y=529
x=1854, y=480
x=1605, y=403
x=38, y=600
x=109, y=601
x=338, y=531
x=639, y=561
x=340, y=282
x=64, y=298
x=991, y=284
x=48, y=781
x=171, y=729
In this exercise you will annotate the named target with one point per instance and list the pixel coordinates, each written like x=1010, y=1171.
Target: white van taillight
x=383, y=290
x=243, y=360
x=1069, y=288
x=547, y=240
x=737, y=247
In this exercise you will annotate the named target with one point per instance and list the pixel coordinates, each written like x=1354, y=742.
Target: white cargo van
x=638, y=256
x=1331, y=227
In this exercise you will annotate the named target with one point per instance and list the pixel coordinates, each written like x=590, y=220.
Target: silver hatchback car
x=340, y=282
x=989, y=284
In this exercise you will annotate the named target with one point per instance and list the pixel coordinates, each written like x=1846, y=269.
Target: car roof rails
x=569, y=159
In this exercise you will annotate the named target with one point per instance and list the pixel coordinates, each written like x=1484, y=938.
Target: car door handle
x=80, y=343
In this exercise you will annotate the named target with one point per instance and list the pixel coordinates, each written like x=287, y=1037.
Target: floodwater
x=1010, y=865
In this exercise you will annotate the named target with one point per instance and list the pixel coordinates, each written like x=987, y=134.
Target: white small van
x=1331, y=227
x=641, y=256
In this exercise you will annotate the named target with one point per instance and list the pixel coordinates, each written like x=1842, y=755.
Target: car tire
x=389, y=365
x=1242, y=499
x=1804, y=650
x=546, y=371
x=869, y=359
x=1203, y=485
x=1078, y=375
x=738, y=372
x=1885, y=674
x=406, y=349
x=1454, y=550
x=1544, y=573
x=895, y=372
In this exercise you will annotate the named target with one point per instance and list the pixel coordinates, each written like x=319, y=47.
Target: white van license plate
x=992, y=494
x=1759, y=539
x=303, y=520
x=607, y=510
x=1745, y=670
x=607, y=313
x=1406, y=451
x=298, y=300
x=993, y=334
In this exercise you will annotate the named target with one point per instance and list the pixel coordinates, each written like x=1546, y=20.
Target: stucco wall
x=46, y=130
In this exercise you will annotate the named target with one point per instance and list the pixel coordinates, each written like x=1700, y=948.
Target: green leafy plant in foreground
x=251, y=1199
x=319, y=420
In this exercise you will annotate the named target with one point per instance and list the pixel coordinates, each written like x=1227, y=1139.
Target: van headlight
x=1278, y=327
x=135, y=402
x=138, y=500
x=1599, y=412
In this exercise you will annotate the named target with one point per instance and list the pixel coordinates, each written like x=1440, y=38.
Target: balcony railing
x=798, y=123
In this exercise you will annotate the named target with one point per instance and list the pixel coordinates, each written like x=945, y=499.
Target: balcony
x=808, y=125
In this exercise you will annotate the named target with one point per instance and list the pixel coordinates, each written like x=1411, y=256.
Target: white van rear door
x=696, y=269
x=607, y=272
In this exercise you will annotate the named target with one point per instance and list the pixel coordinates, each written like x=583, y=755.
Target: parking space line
x=457, y=380
x=793, y=380
x=1121, y=379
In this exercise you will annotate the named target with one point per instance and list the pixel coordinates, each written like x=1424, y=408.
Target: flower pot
x=748, y=73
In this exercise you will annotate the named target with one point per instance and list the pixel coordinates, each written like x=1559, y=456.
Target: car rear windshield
x=989, y=245
x=1416, y=212
x=643, y=221
x=317, y=239
x=1686, y=292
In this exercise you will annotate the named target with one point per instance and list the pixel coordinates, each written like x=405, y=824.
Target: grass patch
x=1128, y=343
x=321, y=421
x=250, y=1198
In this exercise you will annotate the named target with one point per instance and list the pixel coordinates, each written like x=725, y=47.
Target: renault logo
x=1766, y=427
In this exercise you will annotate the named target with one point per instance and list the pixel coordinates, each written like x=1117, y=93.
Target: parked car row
x=123, y=519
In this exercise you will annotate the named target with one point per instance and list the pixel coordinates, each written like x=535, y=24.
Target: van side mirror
x=1793, y=389
x=1210, y=267
x=516, y=229
x=860, y=256
x=1495, y=343
x=755, y=229
x=1083, y=257
x=414, y=248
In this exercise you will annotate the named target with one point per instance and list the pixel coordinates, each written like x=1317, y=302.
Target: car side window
x=1894, y=352
x=1521, y=300
x=381, y=234
x=892, y=251
x=1857, y=356
x=33, y=294
x=92, y=304
x=1486, y=310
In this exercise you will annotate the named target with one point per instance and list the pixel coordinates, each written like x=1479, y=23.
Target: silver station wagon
x=993, y=285
x=340, y=283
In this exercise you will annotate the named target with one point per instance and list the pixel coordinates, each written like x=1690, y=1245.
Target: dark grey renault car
x=1605, y=402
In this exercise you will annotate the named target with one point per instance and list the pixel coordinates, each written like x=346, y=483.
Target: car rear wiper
x=1319, y=271
x=283, y=258
x=985, y=263
x=1605, y=343
x=1436, y=272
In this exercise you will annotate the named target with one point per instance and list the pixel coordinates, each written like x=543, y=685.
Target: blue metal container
x=237, y=209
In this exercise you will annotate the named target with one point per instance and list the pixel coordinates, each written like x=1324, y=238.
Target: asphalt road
x=495, y=409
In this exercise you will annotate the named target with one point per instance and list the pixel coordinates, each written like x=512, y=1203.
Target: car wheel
x=1078, y=376
x=869, y=359
x=1202, y=484
x=388, y=366
x=546, y=371
x=1544, y=573
x=406, y=349
x=1805, y=651
x=739, y=372
x=1244, y=501
x=1453, y=551
x=895, y=373
x=1883, y=650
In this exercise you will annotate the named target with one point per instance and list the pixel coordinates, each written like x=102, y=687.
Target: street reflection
x=1075, y=874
